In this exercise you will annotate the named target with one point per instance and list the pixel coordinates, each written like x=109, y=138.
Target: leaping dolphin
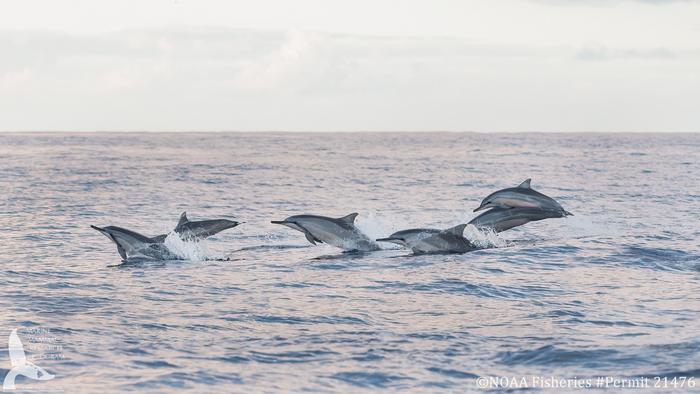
x=130, y=243
x=201, y=229
x=447, y=241
x=409, y=238
x=340, y=232
x=521, y=196
x=502, y=219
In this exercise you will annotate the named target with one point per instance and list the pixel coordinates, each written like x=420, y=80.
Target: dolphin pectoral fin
x=349, y=219
x=121, y=251
x=525, y=184
x=310, y=237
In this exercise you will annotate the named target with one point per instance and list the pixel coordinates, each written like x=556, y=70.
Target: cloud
x=603, y=53
x=246, y=60
x=241, y=79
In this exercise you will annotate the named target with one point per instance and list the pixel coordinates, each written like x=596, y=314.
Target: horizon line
x=346, y=131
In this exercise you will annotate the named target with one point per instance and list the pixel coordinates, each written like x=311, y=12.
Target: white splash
x=374, y=226
x=187, y=250
x=484, y=238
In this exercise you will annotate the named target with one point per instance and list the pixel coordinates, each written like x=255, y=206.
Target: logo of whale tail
x=20, y=365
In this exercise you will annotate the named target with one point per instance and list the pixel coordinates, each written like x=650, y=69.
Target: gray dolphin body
x=446, y=241
x=340, y=232
x=502, y=219
x=201, y=229
x=409, y=238
x=131, y=244
x=521, y=196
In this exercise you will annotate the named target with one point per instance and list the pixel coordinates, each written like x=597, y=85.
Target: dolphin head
x=291, y=222
x=409, y=237
x=102, y=231
x=128, y=242
x=215, y=226
x=489, y=202
x=485, y=205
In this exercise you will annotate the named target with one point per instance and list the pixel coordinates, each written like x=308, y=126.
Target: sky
x=361, y=65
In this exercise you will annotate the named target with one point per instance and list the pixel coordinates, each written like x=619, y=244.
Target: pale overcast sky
x=324, y=65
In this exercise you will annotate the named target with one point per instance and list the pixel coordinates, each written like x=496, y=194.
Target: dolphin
x=408, y=238
x=446, y=241
x=130, y=243
x=502, y=219
x=340, y=232
x=521, y=196
x=201, y=229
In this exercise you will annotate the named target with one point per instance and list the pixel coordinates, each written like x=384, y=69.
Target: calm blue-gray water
x=611, y=291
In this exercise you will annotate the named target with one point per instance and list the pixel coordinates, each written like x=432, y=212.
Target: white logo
x=20, y=365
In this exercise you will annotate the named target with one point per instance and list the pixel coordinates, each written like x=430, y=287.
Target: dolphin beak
x=101, y=230
x=104, y=232
x=279, y=222
x=567, y=213
x=480, y=208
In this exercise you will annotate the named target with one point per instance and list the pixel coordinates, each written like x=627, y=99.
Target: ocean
x=613, y=291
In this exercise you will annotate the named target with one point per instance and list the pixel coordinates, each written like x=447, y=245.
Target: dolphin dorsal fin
x=525, y=184
x=349, y=219
x=183, y=219
x=456, y=230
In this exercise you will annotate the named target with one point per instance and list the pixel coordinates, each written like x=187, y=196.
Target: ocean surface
x=613, y=291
